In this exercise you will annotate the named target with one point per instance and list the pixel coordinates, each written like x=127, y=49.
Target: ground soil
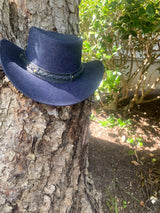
x=128, y=176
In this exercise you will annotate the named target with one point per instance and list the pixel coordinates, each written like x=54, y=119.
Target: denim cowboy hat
x=49, y=70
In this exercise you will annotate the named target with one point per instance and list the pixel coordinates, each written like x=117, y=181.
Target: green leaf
x=93, y=117
x=124, y=204
x=104, y=123
x=109, y=38
x=125, y=18
x=107, y=56
x=141, y=10
x=150, y=10
x=146, y=29
x=131, y=141
x=128, y=1
x=113, y=5
x=140, y=143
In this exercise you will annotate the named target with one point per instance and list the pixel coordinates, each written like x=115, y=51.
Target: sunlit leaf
x=150, y=10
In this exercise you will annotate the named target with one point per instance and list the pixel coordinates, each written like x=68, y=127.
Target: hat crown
x=54, y=52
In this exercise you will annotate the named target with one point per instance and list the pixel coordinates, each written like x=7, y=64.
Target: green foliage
x=93, y=24
x=111, y=81
x=135, y=141
x=111, y=122
x=138, y=16
x=112, y=198
x=112, y=201
x=93, y=117
x=114, y=32
x=124, y=204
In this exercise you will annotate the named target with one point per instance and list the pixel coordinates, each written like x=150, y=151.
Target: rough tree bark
x=43, y=149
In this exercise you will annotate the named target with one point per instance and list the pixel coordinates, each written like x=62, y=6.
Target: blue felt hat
x=50, y=71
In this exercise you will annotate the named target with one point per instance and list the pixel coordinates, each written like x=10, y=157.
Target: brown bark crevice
x=13, y=16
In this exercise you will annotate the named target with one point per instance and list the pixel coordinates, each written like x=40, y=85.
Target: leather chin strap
x=50, y=76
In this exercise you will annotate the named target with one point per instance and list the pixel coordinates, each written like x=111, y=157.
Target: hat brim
x=57, y=94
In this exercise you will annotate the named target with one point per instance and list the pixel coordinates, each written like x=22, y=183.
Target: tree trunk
x=43, y=149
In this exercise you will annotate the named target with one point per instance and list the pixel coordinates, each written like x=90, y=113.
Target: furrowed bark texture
x=17, y=16
x=43, y=149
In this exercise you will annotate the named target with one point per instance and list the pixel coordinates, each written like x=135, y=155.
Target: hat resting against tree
x=49, y=70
